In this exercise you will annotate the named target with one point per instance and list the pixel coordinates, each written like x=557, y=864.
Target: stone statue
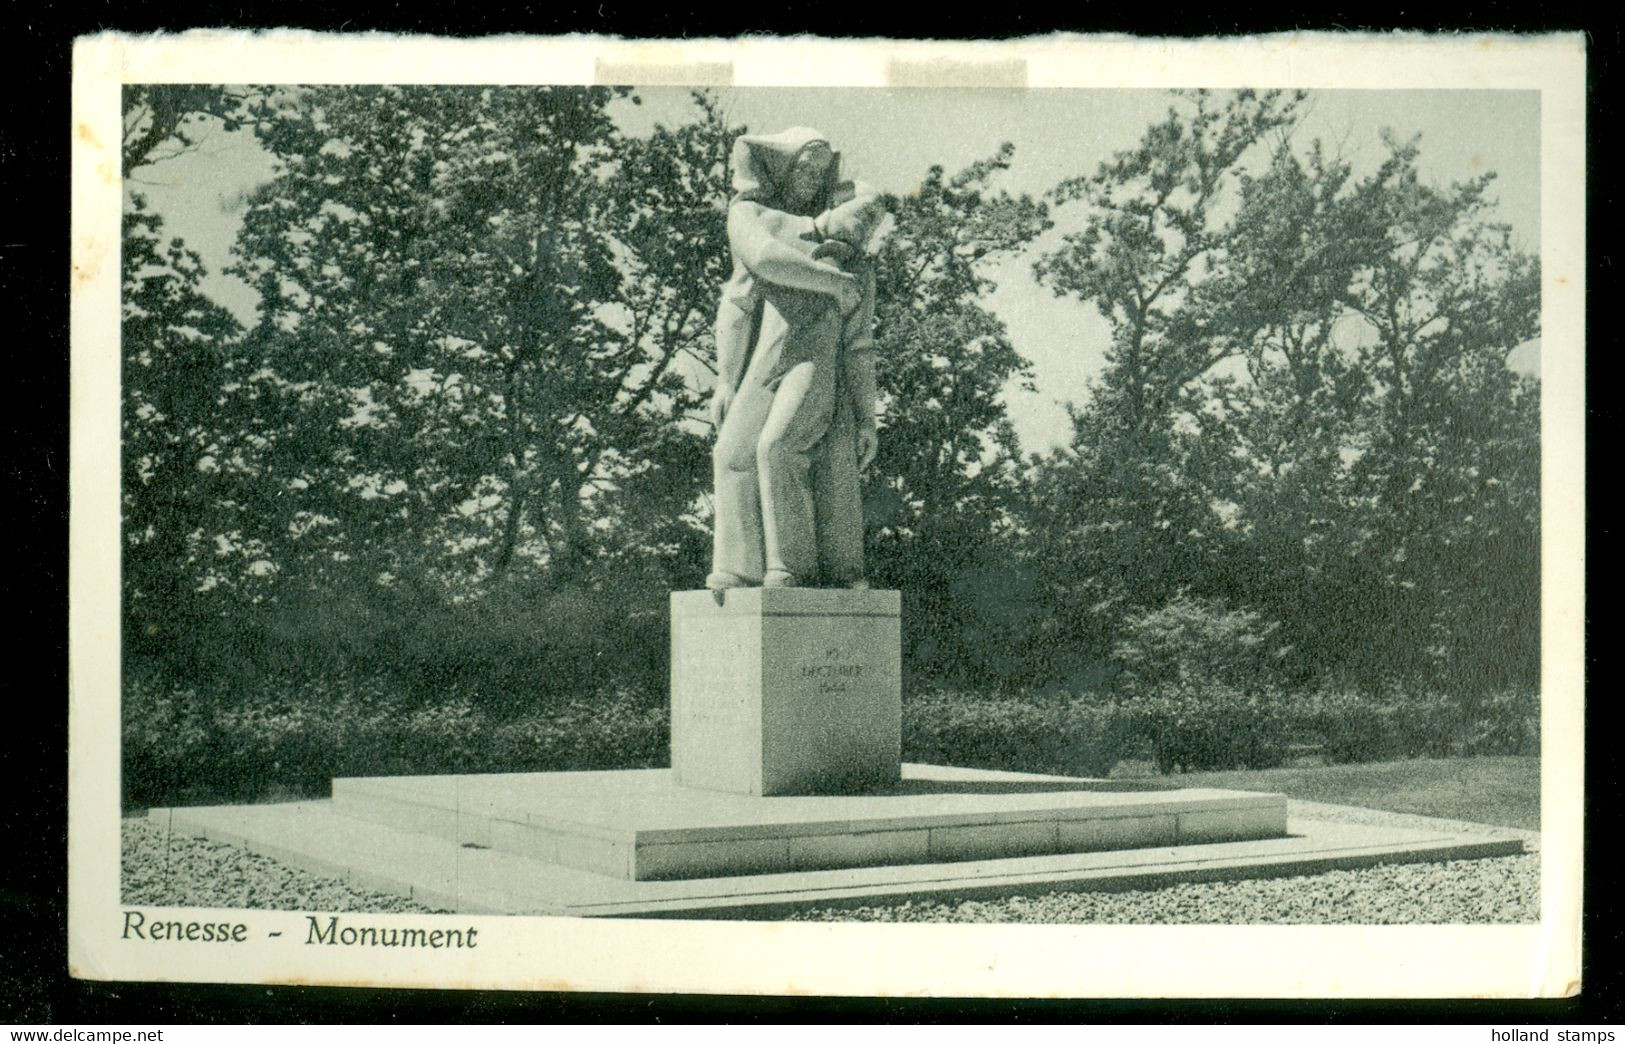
x=795, y=397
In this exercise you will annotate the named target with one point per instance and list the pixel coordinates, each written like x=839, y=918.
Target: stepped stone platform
x=636, y=844
x=639, y=826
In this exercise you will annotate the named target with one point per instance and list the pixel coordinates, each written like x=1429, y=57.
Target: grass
x=1503, y=791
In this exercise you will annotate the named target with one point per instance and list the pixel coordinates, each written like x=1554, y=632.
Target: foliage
x=1053, y=732
x=460, y=415
x=193, y=746
x=484, y=327
x=175, y=344
x=526, y=642
x=1201, y=683
x=1192, y=641
x=164, y=120
x=200, y=745
x=1306, y=409
x=1189, y=727
x=1123, y=522
x=441, y=485
x=1354, y=727
x=945, y=486
x=1382, y=461
x=432, y=372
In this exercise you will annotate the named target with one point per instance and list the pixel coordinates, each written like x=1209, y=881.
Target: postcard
x=1063, y=517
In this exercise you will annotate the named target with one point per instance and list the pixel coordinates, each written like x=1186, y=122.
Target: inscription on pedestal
x=833, y=675
x=786, y=691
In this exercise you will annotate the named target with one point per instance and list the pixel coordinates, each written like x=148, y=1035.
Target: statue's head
x=795, y=170
x=806, y=182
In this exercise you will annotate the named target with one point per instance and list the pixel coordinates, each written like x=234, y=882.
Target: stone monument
x=786, y=675
x=795, y=397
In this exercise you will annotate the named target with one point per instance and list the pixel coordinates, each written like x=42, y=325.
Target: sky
x=890, y=137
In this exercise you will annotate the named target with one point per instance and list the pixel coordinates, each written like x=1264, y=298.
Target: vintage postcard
x=1068, y=517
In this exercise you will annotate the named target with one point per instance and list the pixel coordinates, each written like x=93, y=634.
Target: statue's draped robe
x=785, y=466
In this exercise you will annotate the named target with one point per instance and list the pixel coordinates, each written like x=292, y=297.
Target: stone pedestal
x=786, y=690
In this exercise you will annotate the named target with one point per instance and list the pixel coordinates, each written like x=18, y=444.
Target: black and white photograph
x=945, y=527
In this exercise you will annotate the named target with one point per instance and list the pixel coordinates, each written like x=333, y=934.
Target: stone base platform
x=640, y=826
x=494, y=845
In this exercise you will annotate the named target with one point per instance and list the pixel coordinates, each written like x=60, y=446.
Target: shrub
x=1196, y=728
x=1191, y=642
x=620, y=731
x=1052, y=733
x=188, y=747
x=1348, y=727
x=1363, y=726
x=1501, y=722
x=520, y=642
x=194, y=745
x=165, y=734
x=1199, y=682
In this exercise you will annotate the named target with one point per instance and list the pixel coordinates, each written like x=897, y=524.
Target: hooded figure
x=795, y=390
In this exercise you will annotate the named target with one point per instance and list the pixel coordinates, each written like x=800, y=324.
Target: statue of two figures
x=795, y=397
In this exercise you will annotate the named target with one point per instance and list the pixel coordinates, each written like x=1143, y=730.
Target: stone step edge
x=1445, y=846
x=629, y=855
x=1226, y=868
x=361, y=788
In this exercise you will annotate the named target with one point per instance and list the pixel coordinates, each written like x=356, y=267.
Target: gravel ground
x=1465, y=891
x=188, y=871
x=1504, y=890
x=184, y=871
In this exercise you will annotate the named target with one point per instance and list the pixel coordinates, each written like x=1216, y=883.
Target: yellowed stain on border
x=663, y=74
x=956, y=72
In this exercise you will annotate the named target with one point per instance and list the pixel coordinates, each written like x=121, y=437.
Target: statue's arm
x=860, y=378
x=755, y=232
x=859, y=355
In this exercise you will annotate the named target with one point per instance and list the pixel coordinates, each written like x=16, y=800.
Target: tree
x=181, y=534
x=442, y=374
x=1363, y=466
x=1121, y=524
x=1380, y=458
x=1449, y=465
x=164, y=120
x=669, y=215
x=175, y=345
x=1273, y=441
x=484, y=317
x=939, y=495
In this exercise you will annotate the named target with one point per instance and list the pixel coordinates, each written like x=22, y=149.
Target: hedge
x=189, y=746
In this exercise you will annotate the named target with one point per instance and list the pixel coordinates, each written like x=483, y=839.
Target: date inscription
x=834, y=672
